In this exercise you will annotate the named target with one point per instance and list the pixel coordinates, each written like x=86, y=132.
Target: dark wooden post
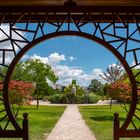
x=116, y=126
x=25, y=127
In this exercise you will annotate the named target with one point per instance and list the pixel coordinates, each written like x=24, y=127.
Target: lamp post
x=73, y=92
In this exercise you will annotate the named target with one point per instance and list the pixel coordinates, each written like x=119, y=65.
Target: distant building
x=58, y=86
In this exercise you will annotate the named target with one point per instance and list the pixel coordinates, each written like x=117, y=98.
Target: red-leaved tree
x=19, y=94
x=120, y=91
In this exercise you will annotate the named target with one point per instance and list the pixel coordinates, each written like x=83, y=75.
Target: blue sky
x=73, y=57
x=79, y=56
x=88, y=53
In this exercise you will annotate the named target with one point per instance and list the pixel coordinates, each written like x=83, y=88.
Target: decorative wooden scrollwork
x=119, y=32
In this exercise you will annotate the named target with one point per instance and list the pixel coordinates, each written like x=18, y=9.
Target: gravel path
x=105, y=102
x=71, y=126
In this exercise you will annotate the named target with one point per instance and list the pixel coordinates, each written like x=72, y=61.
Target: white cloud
x=65, y=82
x=97, y=71
x=50, y=83
x=65, y=73
x=42, y=59
x=71, y=58
x=55, y=58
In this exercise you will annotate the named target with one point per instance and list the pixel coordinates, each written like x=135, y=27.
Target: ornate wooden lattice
x=20, y=30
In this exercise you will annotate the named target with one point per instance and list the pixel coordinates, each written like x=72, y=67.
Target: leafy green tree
x=35, y=72
x=39, y=73
x=136, y=73
x=20, y=73
x=96, y=87
x=105, y=88
x=3, y=71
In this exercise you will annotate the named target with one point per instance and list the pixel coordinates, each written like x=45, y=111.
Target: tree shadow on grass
x=105, y=118
x=96, y=108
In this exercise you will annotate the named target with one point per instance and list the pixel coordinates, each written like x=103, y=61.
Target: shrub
x=74, y=98
x=56, y=98
x=70, y=98
x=79, y=99
x=93, y=98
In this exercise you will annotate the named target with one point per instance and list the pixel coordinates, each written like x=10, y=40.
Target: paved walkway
x=71, y=126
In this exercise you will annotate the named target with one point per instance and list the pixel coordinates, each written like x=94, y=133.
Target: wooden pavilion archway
x=115, y=27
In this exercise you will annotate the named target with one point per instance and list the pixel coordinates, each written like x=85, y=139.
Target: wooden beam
x=43, y=9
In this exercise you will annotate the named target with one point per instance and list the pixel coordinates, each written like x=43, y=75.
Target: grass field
x=100, y=120
x=41, y=121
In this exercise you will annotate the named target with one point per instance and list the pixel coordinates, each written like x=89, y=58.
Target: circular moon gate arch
x=117, y=34
x=63, y=33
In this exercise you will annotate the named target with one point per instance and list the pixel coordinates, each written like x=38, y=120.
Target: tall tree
x=39, y=73
x=36, y=72
x=96, y=87
x=21, y=74
x=113, y=74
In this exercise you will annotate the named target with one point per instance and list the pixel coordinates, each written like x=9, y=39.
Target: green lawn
x=100, y=120
x=41, y=121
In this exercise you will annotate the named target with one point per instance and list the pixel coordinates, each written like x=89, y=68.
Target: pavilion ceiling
x=40, y=9
x=61, y=2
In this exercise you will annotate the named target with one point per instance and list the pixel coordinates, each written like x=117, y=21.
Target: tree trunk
x=111, y=103
x=37, y=105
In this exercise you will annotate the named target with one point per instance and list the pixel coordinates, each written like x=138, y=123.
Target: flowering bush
x=19, y=92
